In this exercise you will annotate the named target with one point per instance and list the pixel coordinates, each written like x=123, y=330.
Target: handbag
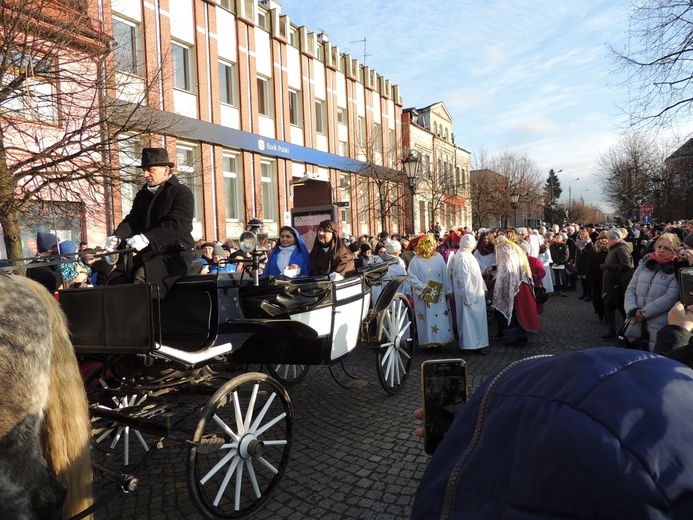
x=639, y=343
x=541, y=295
x=621, y=339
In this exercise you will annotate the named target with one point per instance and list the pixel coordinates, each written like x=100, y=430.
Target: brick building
x=267, y=115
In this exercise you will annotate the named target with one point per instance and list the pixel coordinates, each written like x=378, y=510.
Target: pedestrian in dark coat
x=597, y=256
x=159, y=224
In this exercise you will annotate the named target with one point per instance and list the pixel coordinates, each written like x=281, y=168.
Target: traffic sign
x=646, y=208
x=646, y=219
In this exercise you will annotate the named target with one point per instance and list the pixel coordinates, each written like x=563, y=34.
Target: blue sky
x=534, y=76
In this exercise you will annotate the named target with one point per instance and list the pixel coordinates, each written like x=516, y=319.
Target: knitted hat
x=688, y=240
x=614, y=234
x=46, y=241
x=67, y=247
x=219, y=251
x=392, y=246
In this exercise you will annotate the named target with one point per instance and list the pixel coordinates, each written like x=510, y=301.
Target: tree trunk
x=12, y=235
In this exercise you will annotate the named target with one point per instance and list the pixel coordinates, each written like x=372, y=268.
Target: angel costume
x=470, y=296
x=429, y=278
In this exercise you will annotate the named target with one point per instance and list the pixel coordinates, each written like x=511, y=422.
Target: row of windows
x=189, y=173
x=128, y=59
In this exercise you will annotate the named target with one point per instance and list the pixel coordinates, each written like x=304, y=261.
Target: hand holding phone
x=686, y=286
x=444, y=393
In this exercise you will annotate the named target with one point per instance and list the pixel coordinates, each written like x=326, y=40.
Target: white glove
x=112, y=243
x=138, y=242
x=335, y=277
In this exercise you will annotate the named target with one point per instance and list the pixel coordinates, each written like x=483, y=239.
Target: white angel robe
x=470, y=301
x=433, y=321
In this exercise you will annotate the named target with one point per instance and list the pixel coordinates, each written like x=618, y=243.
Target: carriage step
x=210, y=444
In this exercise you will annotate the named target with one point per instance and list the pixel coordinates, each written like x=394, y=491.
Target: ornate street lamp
x=411, y=167
x=657, y=184
x=515, y=198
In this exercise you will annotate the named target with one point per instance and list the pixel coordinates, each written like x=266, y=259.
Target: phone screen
x=444, y=388
x=686, y=285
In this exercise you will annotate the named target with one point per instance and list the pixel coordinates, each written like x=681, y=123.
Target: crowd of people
x=462, y=283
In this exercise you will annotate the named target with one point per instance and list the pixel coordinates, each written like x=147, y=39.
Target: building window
x=127, y=48
x=34, y=95
x=293, y=37
x=341, y=116
x=188, y=175
x=270, y=202
x=320, y=52
x=232, y=185
x=344, y=195
x=262, y=19
x=343, y=149
x=378, y=138
x=264, y=98
x=227, y=4
x=361, y=131
x=295, y=108
x=182, y=67
x=228, y=84
x=129, y=152
x=320, y=117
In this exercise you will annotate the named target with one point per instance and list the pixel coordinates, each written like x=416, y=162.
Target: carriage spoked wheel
x=241, y=447
x=395, y=344
x=287, y=374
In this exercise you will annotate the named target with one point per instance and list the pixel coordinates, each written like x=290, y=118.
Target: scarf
x=485, y=249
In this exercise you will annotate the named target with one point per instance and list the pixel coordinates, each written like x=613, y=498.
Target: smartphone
x=686, y=285
x=444, y=393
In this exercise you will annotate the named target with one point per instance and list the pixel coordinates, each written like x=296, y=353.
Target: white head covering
x=392, y=246
x=467, y=242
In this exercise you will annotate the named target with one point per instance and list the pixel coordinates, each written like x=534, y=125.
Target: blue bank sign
x=233, y=138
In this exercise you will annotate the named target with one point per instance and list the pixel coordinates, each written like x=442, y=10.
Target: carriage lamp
x=247, y=241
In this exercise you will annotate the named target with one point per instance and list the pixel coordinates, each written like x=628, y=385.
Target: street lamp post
x=411, y=168
x=570, y=196
x=515, y=198
x=657, y=184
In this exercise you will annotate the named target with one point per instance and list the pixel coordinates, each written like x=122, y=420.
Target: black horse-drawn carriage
x=148, y=355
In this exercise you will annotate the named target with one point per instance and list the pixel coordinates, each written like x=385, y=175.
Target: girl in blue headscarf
x=290, y=256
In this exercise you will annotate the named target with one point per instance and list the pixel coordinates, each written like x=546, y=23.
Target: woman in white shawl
x=470, y=297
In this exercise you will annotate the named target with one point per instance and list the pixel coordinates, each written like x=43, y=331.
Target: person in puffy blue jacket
x=601, y=433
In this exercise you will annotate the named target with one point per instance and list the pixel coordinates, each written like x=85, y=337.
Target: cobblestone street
x=354, y=454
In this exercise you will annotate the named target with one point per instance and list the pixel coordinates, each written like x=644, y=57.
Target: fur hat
x=392, y=246
x=155, y=157
x=46, y=241
x=614, y=234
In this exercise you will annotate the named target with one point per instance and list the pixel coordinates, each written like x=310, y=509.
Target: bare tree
x=486, y=191
x=657, y=60
x=61, y=111
x=384, y=173
x=627, y=171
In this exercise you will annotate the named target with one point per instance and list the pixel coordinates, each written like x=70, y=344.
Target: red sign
x=646, y=208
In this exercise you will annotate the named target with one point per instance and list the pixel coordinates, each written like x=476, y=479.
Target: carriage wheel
x=121, y=443
x=241, y=447
x=396, y=344
x=288, y=375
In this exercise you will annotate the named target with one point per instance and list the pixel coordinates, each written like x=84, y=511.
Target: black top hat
x=155, y=157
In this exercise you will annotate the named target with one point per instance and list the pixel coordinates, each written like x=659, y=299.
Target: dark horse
x=45, y=463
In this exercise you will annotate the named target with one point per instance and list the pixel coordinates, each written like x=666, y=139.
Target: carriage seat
x=283, y=297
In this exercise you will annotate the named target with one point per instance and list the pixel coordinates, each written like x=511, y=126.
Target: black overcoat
x=165, y=218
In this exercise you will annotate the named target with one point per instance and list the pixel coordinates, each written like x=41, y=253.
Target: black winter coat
x=165, y=218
